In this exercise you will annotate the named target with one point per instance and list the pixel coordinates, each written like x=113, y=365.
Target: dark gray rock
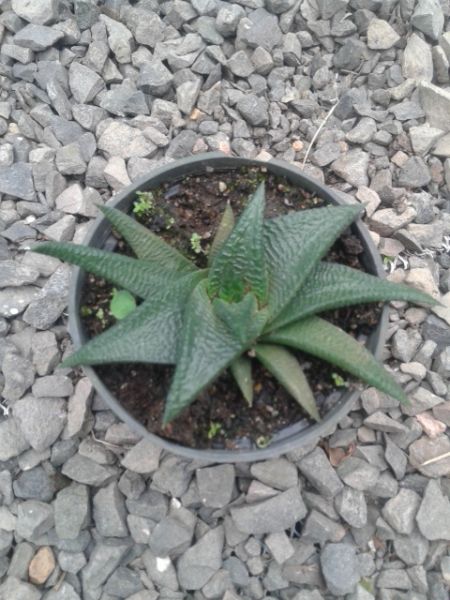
x=433, y=516
x=396, y=458
x=269, y=516
x=70, y=161
x=109, y=512
x=41, y=420
x=37, y=37
x=216, y=485
x=317, y=469
x=200, y=562
x=254, y=110
x=173, y=535
x=150, y=504
x=182, y=144
x=124, y=100
x=17, y=181
x=260, y=29
x=72, y=510
x=340, y=568
x=35, y=484
x=350, y=55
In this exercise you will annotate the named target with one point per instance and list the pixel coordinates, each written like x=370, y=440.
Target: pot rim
x=99, y=230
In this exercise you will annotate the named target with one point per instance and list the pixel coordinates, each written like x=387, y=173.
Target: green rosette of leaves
x=259, y=299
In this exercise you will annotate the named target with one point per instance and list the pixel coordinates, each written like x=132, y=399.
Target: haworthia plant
x=260, y=295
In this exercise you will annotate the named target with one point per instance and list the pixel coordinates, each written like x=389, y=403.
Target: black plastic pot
x=293, y=436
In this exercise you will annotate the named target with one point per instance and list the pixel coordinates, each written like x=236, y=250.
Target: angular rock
x=72, y=511
x=280, y=546
x=277, y=473
x=352, y=507
x=320, y=529
x=52, y=300
x=358, y=473
x=17, y=180
x=269, y=516
x=103, y=561
x=422, y=453
x=187, y=94
x=340, y=568
x=414, y=173
x=428, y=18
x=387, y=221
x=34, y=519
x=417, y=62
x=423, y=137
x=70, y=161
x=254, y=110
x=84, y=83
x=40, y=13
x=120, y=39
x=200, y=562
x=161, y=571
x=436, y=104
x=172, y=536
x=64, y=592
x=142, y=458
x=316, y=467
x=15, y=589
x=155, y=78
x=400, y=511
x=109, y=512
x=352, y=167
x=433, y=517
x=411, y=549
x=216, y=485
x=14, y=274
x=260, y=29
x=82, y=469
x=14, y=301
x=380, y=35
x=19, y=375
x=35, y=484
x=12, y=440
x=37, y=37
x=52, y=386
x=228, y=18
x=119, y=139
x=41, y=420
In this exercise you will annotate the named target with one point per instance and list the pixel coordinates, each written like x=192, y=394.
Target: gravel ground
x=95, y=94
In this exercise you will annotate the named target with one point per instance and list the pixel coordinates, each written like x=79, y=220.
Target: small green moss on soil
x=195, y=206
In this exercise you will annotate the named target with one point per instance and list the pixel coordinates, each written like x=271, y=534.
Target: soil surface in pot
x=185, y=211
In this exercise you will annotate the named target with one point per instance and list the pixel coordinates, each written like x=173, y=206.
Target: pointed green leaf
x=332, y=285
x=289, y=373
x=241, y=369
x=122, y=304
x=206, y=347
x=146, y=245
x=324, y=340
x=149, y=334
x=137, y=276
x=239, y=266
x=243, y=318
x=223, y=232
x=295, y=242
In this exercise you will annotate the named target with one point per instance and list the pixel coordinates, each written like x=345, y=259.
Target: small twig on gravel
x=319, y=129
x=59, y=582
x=5, y=409
x=116, y=446
x=435, y=459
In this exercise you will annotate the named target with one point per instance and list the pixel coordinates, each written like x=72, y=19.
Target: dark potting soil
x=220, y=417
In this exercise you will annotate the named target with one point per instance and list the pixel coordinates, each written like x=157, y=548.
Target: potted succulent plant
x=254, y=297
